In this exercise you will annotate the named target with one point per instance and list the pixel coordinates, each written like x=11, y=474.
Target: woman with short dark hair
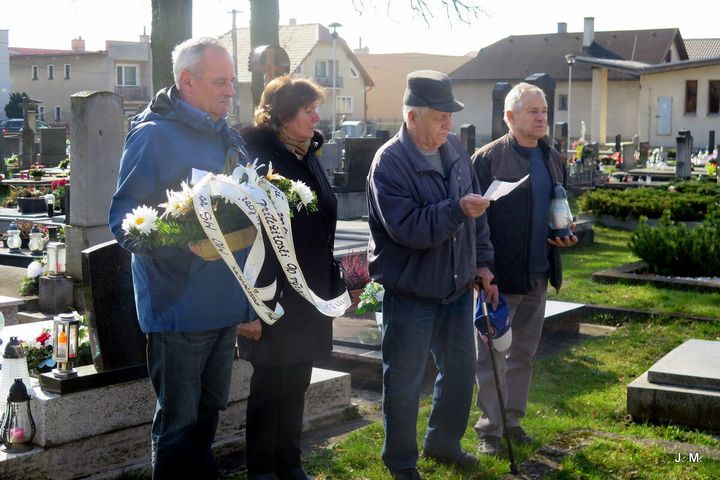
x=282, y=354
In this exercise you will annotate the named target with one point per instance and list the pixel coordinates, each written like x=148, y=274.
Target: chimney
x=562, y=27
x=144, y=38
x=78, y=44
x=589, y=32
x=293, y=22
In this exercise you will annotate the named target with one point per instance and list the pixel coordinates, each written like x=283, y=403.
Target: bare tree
x=460, y=10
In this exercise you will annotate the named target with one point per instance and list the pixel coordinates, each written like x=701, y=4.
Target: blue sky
x=383, y=31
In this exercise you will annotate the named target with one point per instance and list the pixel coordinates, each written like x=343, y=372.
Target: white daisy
x=142, y=220
x=178, y=203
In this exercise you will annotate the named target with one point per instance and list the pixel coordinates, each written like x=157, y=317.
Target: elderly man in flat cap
x=429, y=245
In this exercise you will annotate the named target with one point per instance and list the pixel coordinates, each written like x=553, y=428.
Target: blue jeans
x=413, y=328
x=190, y=373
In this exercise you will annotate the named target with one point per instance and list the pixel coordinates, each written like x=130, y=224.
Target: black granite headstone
x=618, y=142
x=711, y=141
x=359, y=154
x=52, y=146
x=467, y=137
x=561, y=139
x=644, y=151
x=499, y=127
x=547, y=84
x=383, y=135
x=115, y=336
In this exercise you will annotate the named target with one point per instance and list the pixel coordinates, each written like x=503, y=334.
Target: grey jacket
x=421, y=243
x=509, y=217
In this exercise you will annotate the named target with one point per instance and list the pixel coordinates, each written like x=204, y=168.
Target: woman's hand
x=251, y=330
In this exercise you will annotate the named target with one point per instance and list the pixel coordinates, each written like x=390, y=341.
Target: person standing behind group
x=188, y=307
x=525, y=258
x=282, y=354
x=429, y=241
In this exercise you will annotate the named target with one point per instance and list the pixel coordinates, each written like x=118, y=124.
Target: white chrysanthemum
x=303, y=192
x=178, y=203
x=143, y=219
x=35, y=269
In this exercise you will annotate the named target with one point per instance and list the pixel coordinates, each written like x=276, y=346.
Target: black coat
x=303, y=333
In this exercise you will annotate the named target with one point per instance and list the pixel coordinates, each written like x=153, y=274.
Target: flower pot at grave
x=31, y=205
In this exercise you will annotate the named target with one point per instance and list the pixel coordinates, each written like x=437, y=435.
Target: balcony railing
x=132, y=93
x=328, y=82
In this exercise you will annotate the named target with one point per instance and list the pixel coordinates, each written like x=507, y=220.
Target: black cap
x=428, y=88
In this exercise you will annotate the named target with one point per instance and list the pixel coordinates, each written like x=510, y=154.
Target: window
x=34, y=72
x=127, y=75
x=324, y=68
x=691, y=96
x=57, y=114
x=41, y=113
x=563, y=102
x=67, y=71
x=51, y=72
x=344, y=105
x=714, y=96
x=353, y=72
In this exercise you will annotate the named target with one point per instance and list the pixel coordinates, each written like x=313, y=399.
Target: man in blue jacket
x=429, y=242
x=188, y=307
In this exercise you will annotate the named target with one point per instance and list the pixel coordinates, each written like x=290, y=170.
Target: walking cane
x=501, y=402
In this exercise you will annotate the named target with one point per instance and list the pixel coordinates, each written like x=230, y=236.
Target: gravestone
x=115, y=336
x=618, y=143
x=383, y=135
x=467, y=137
x=10, y=145
x=628, y=156
x=359, y=154
x=329, y=157
x=683, y=165
x=561, y=140
x=499, y=127
x=52, y=146
x=681, y=388
x=711, y=141
x=96, y=146
x=644, y=151
x=547, y=84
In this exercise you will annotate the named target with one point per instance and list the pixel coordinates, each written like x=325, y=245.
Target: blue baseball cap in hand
x=499, y=321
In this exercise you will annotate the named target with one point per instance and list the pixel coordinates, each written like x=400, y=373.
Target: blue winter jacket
x=421, y=243
x=175, y=290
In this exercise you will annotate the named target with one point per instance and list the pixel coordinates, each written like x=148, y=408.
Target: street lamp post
x=570, y=59
x=334, y=26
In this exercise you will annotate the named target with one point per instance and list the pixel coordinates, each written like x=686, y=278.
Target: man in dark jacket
x=187, y=306
x=525, y=258
x=428, y=243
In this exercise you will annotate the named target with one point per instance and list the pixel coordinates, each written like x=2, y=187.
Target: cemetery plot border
x=635, y=273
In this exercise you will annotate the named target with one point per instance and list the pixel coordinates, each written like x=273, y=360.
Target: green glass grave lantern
x=18, y=427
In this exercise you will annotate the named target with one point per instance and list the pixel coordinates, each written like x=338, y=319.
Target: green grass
x=610, y=250
x=578, y=391
x=583, y=387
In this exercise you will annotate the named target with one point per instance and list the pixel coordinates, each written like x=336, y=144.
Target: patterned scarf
x=299, y=148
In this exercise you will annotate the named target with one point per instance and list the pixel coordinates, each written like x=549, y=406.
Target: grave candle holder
x=18, y=426
x=13, y=239
x=36, y=244
x=57, y=258
x=65, y=344
x=560, y=214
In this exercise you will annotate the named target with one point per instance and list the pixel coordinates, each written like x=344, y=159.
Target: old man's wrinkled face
x=429, y=128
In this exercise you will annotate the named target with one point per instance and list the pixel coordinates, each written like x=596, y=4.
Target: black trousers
x=275, y=416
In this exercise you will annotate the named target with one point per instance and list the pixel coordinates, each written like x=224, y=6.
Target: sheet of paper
x=498, y=189
x=197, y=175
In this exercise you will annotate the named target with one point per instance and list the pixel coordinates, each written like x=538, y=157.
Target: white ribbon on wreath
x=267, y=208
